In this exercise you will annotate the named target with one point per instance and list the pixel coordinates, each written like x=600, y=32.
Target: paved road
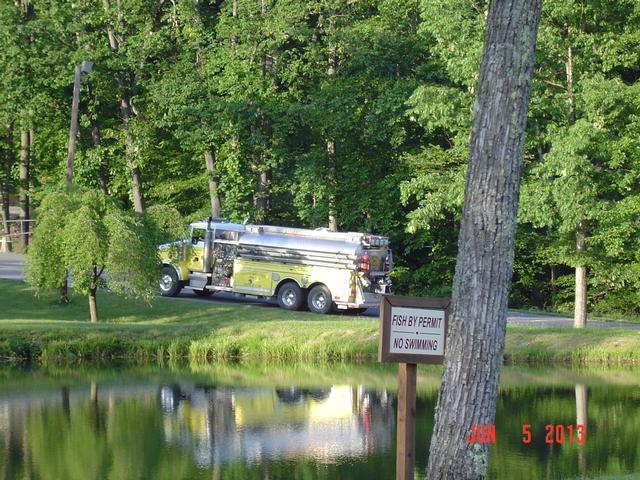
x=11, y=267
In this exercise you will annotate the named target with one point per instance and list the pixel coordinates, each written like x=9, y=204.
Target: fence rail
x=6, y=239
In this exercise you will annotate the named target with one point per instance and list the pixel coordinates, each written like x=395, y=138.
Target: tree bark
x=261, y=200
x=101, y=175
x=5, y=190
x=261, y=196
x=330, y=141
x=331, y=160
x=569, y=73
x=580, y=313
x=475, y=341
x=234, y=14
x=126, y=111
x=136, y=178
x=31, y=182
x=24, y=187
x=213, y=183
x=93, y=307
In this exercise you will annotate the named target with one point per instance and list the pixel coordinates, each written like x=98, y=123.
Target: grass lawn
x=40, y=329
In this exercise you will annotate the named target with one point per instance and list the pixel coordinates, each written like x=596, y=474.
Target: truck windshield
x=197, y=235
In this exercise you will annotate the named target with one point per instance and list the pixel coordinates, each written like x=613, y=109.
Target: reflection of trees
x=187, y=431
x=66, y=409
x=293, y=394
x=250, y=425
x=611, y=439
x=581, y=419
x=73, y=443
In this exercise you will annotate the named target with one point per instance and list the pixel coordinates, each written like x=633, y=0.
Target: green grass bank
x=38, y=329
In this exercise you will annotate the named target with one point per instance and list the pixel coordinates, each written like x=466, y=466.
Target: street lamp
x=85, y=67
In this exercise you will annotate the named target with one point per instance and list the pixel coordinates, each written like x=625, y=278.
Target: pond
x=302, y=421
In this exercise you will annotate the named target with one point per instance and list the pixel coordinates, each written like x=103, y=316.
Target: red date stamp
x=482, y=433
x=557, y=433
x=554, y=434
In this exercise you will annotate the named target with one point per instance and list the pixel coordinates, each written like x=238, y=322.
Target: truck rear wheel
x=290, y=296
x=170, y=284
x=319, y=299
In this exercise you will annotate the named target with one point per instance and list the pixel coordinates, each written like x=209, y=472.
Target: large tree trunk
x=475, y=342
x=580, y=314
x=136, y=178
x=5, y=188
x=31, y=182
x=24, y=187
x=213, y=183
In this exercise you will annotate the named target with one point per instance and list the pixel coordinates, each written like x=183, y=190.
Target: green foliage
x=265, y=90
x=87, y=234
x=164, y=224
x=45, y=267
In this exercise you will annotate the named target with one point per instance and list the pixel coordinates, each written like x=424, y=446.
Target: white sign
x=417, y=331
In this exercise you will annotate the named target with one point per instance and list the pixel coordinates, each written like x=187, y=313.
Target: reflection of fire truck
x=296, y=266
x=222, y=425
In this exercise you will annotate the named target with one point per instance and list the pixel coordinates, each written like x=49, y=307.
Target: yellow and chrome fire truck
x=317, y=268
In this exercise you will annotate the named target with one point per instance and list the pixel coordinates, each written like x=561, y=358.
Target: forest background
x=351, y=115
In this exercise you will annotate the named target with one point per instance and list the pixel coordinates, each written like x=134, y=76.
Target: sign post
x=412, y=330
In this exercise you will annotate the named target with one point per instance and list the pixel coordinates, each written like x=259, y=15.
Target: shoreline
x=38, y=330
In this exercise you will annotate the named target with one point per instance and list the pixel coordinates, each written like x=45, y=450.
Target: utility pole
x=84, y=67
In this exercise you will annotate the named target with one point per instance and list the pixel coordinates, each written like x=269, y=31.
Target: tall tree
x=475, y=341
x=121, y=25
x=6, y=186
x=585, y=157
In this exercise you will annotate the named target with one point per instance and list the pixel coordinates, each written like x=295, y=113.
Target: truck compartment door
x=252, y=281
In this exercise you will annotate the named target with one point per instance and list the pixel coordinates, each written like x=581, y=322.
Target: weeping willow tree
x=101, y=245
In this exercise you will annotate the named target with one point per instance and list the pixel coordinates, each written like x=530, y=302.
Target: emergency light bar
x=374, y=241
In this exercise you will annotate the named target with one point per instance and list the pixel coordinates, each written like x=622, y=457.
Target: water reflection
x=223, y=425
x=226, y=422
x=130, y=432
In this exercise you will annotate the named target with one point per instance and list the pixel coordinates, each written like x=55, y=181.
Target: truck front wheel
x=290, y=296
x=319, y=299
x=170, y=285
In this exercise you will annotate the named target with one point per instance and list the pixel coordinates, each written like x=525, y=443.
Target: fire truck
x=318, y=269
